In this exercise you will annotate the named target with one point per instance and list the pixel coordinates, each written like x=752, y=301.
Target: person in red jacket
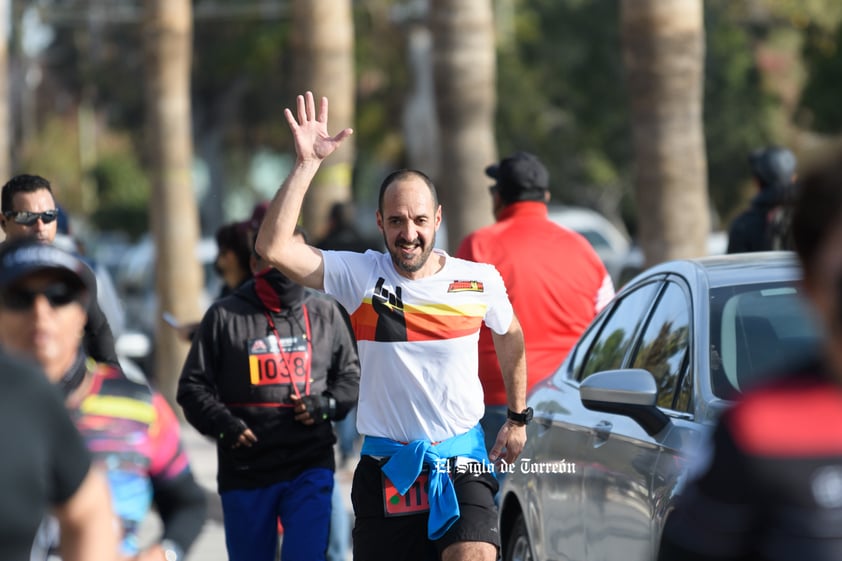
x=555, y=280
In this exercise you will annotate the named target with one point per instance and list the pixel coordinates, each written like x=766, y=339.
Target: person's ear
x=547, y=196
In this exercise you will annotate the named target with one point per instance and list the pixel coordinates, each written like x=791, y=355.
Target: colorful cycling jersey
x=134, y=435
x=417, y=341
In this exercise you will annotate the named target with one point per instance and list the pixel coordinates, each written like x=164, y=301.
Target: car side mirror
x=631, y=392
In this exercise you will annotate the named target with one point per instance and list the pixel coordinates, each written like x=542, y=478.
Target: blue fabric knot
x=407, y=460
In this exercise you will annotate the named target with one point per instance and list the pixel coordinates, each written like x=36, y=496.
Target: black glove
x=231, y=433
x=320, y=407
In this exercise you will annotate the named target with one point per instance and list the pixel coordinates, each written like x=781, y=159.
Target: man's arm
x=302, y=263
x=198, y=395
x=89, y=528
x=512, y=356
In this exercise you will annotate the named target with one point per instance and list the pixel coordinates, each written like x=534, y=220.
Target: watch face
x=528, y=412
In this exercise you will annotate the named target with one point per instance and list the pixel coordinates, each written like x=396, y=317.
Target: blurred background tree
x=76, y=100
x=560, y=92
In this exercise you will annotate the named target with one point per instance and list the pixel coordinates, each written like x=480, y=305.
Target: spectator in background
x=131, y=431
x=764, y=225
x=771, y=488
x=46, y=468
x=554, y=278
x=233, y=242
x=232, y=265
x=30, y=210
x=342, y=233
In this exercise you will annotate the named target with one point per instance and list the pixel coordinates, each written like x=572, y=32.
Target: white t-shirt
x=418, y=341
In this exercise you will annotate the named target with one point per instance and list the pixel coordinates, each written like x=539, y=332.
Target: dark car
x=622, y=422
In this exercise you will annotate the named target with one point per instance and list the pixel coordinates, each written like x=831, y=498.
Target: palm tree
x=5, y=125
x=464, y=62
x=323, y=50
x=663, y=53
x=174, y=215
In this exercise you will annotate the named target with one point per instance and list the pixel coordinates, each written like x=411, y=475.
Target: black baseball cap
x=520, y=177
x=773, y=166
x=25, y=256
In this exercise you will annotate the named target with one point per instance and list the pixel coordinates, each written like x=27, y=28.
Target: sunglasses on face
x=26, y=218
x=57, y=294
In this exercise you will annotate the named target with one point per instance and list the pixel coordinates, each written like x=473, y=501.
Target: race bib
x=415, y=500
x=271, y=363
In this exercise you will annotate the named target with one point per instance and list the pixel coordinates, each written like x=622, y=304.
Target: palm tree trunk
x=464, y=62
x=5, y=124
x=173, y=211
x=323, y=44
x=663, y=52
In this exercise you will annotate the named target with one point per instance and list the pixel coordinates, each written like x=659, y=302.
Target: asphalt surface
x=210, y=545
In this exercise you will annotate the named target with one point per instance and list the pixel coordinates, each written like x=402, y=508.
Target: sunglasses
x=26, y=218
x=58, y=294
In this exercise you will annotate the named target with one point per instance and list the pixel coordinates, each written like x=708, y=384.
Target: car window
x=596, y=239
x=617, y=333
x=756, y=331
x=665, y=342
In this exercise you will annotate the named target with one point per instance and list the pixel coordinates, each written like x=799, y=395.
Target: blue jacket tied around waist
x=407, y=460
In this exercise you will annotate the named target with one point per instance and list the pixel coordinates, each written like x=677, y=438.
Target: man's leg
x=251, y=527
x=475, y=535
x=469, y=551
x=305, y=509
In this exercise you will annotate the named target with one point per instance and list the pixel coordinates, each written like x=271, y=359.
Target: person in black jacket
x=764, y=225
x=270, y=366
x=29, y=209
x=771, y=488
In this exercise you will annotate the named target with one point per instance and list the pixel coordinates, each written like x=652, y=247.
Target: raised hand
x=312, y=141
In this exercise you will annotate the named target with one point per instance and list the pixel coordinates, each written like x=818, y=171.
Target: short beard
x=419, y=264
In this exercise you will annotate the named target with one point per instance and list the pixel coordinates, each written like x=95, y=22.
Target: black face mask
x=276, y=290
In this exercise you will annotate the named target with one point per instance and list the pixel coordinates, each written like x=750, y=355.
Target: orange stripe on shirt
x=420, y=325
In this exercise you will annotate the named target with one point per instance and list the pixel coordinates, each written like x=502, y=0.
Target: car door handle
x=602, y=430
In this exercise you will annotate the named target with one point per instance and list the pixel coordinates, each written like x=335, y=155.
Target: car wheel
x=519, y=548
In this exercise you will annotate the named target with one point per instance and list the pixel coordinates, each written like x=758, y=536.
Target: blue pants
x=304, y=507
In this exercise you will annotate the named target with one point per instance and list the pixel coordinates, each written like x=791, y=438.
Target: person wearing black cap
x=764, y=225
x=554, y=278
x=29, y=210
x=128, y=427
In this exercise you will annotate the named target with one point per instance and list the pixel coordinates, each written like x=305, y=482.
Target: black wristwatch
x=523, y=418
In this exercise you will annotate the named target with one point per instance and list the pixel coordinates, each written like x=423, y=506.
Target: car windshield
x=756, y=331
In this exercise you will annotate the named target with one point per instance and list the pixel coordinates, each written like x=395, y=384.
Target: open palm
x=312, y=141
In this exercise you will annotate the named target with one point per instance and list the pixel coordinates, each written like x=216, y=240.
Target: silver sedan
x=621, y=424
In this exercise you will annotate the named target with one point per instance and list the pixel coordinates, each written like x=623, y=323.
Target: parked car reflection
x=632, y=403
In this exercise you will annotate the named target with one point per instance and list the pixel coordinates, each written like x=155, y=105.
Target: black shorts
x=404, y=538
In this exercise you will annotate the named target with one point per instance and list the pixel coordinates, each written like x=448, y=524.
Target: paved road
x=210, y=546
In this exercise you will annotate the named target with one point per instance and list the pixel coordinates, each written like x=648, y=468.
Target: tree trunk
x=5, y=124
x=174, y=215
x=323, y=45
x=663, y=53
x=464, y=62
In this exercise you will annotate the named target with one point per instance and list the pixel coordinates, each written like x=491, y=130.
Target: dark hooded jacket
x=752, y=229
x=228, y=383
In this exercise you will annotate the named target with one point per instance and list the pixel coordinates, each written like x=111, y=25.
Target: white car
x=611, y=243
